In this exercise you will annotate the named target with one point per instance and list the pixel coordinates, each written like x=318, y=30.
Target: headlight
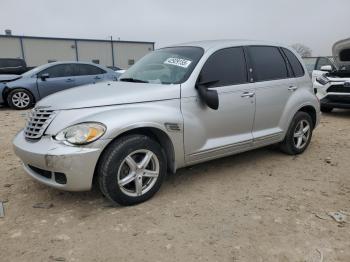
x=322, y=80
x=81, y=134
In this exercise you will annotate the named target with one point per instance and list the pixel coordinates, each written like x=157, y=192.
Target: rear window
x=295, y=63
x=226, y=67
x=268, y=63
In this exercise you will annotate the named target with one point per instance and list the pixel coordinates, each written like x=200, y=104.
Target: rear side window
x=226, y=66
x=295, y=63
x=63, y=70
x=82, y=70
x=268, y=63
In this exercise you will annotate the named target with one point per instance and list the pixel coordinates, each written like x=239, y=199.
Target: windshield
x=171, y=65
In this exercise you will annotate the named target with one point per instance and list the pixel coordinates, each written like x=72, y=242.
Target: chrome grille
x=37, y=122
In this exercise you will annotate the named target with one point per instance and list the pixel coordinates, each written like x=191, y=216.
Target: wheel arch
x=311, y=111
x=157, y=134
x=8, y=90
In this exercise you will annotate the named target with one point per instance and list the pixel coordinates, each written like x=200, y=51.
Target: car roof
x=216, y=44
x=72, y=62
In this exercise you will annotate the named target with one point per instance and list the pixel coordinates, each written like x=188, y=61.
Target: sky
x=315, y=23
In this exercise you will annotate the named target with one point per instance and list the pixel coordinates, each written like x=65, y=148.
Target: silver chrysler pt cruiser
x=176, y=107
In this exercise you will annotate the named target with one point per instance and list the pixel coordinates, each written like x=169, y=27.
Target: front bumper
x=76, y=163
x=2, y=88
x=336, y=101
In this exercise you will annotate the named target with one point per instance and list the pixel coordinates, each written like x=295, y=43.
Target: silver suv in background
x=23, y=91
x=176, y=107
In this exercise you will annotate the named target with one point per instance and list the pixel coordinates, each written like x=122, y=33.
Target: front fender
x=124, y=118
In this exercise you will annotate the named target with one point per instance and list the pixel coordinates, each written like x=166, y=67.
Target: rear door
x=273, y=87
x=88, y=74
x=61, y=77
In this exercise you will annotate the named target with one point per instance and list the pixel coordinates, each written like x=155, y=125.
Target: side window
x=268, y=63
x=310, y=63
x=82, y=70
x=322, y=61
x=295, y=63
x=226, y=66
x=63, y=70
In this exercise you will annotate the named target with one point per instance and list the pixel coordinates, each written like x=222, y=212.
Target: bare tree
x=302, y=50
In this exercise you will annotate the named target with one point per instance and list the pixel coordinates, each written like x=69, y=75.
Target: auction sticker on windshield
x=178, y=62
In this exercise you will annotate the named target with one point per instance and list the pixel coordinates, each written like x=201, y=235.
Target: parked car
x=314, y=65
x=118, y=70
x=332, y=84
x=24, y=91
x=13, y=66
x=176, y=107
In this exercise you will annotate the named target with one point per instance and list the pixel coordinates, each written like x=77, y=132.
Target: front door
x=60, y=77
x=212, y=133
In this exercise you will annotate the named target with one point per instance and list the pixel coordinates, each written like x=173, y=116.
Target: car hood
x=8, y=78
x=341, y=51
x=109, y=93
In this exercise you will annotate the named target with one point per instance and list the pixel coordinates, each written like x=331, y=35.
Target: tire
x=326, y=109
x=20, y=99
x=290, y=144
x=117, y=166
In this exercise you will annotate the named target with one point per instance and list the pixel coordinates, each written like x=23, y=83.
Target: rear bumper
x=46, y=159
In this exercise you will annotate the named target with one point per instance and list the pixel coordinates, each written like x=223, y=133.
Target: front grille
x=338, y=89
x=38, y=121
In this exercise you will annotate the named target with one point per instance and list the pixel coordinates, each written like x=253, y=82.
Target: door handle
x=97, y=77
x=248, y=94
x=292, y=88
x=69, y=80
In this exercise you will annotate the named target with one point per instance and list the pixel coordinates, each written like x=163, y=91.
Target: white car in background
x=118, y=70
x=332, y=85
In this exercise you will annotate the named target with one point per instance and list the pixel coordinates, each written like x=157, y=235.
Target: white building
x=41, y=50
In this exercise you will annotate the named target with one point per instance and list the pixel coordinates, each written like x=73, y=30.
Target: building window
x=131, y=62
x=96, y=61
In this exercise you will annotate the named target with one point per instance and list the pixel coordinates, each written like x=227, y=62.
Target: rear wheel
x=299, y=134
x=20, y=99
x=132, y=169
x=326, y=109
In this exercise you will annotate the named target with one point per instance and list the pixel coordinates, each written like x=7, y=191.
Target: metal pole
x=112, y=51
x=22, y=48
x=76, y=50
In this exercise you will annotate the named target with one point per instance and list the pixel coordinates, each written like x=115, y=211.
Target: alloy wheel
x=301, y=134
x=20, y=99
x=138, y=173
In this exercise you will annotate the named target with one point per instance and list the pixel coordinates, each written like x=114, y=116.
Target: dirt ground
x=257, y=206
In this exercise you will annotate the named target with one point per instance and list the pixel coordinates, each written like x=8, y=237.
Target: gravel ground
x=257, y=206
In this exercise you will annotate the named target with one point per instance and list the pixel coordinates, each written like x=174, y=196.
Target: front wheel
x=131, y=170
x=20, y=99
x=299, y=134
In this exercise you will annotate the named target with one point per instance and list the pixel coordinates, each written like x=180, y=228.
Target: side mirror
x=327, y=68
x=44, y=76
x=209, y=97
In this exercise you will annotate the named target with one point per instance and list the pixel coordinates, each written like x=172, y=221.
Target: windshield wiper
x=132, y=80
